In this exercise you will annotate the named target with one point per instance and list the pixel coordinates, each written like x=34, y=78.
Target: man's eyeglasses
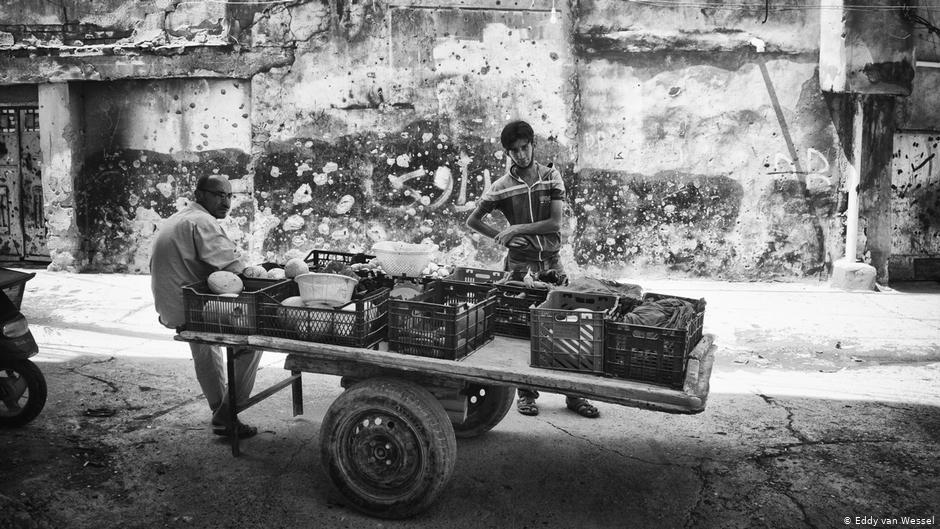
x=219, y=194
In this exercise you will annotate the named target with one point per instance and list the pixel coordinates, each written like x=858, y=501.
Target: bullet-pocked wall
x=386, y=125
x=705, y=144
x=146, y=143
x=694, y=140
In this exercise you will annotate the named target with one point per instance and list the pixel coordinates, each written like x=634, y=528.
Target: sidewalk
x=804, y=327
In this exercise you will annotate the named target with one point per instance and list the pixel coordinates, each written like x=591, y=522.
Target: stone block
x=850, y=275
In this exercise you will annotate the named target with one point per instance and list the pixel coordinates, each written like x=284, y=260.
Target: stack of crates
x=512, y=302
x=449, y=320
x=359, y=323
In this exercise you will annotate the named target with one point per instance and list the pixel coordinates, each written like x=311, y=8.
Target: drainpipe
x=852, y=181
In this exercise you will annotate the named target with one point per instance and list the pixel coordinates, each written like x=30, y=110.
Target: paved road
x=824, y=406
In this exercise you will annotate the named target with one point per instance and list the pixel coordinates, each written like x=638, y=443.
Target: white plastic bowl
x=402, y=258
x=331, y=289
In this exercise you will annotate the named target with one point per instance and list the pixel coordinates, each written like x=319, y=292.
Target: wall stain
x=677, y=220
x=112, y=185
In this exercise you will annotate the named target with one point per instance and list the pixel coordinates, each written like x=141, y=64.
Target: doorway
x=22, y=222
x=915, y=197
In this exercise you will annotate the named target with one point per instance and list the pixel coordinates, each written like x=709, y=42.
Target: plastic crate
x=359, y=323
x=651, y=354
x=209, y=312
x=476, y=275
x=567, y=339
x=317, y=259
x=449, y=320
x=512, y=309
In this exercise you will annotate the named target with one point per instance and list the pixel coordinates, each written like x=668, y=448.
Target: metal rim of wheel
x=378, y=448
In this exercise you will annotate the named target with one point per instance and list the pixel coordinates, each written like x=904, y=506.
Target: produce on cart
x=388, y=442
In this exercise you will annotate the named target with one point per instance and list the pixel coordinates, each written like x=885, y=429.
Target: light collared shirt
x=190, y=245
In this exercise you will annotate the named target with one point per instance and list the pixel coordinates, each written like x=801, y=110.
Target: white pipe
x=852, y=180
x=927, y=64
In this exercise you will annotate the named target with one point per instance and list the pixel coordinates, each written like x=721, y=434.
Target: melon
x=223, y=282
x=292, y=317
x=225, y=314
x=276, y=273
x=255, y=272
x=295, y=267
x=345, y=324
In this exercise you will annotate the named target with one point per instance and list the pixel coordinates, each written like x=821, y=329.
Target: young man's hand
x=517, y=242
x=505, y=237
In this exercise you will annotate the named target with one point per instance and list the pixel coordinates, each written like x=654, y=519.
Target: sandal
x=243, y=430
x=582, y=407
x=527, y=406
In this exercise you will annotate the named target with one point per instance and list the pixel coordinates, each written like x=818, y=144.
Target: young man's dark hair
x=516, y=130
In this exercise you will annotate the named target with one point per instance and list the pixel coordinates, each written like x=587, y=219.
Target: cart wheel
x=388, y=447
x=488, y=405
x=22, y=392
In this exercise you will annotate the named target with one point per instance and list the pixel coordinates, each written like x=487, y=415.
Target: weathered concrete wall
x=707, y=131
x=387, y=125
x=694, y=141
x=146, y=144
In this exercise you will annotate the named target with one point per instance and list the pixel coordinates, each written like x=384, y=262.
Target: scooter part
x=22, y=392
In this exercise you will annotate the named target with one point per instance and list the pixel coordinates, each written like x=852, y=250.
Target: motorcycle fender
x=20, y=347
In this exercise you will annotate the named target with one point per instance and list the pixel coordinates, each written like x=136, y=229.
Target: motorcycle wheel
x=22, y=392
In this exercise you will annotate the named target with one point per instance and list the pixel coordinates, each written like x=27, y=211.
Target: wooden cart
x=389, y=441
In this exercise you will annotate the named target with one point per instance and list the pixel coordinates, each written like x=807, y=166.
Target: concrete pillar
x=61, y=138
x=871, y=149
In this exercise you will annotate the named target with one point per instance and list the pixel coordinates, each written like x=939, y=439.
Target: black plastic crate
x=513, y=305
x=651, y=354
x=568, y=331
x=359, y=323
x=209, y=312
x=449, y=320
x=317, y=259
x=476, y=275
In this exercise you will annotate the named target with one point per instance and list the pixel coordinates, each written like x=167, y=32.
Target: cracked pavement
x=824, y=405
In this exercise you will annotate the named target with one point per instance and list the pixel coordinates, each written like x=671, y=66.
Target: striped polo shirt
x=524, y=204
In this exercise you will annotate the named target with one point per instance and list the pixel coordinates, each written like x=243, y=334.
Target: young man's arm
x=549, y=225
x=476, y=223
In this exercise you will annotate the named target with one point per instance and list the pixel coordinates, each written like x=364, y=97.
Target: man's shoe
x=243, y=430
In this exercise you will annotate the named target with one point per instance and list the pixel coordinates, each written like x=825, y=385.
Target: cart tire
x=488, y=405
x=18, y=407
x=388, y=447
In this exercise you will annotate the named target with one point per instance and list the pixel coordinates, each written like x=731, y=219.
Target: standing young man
x=531, y=196
x=190, y=246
